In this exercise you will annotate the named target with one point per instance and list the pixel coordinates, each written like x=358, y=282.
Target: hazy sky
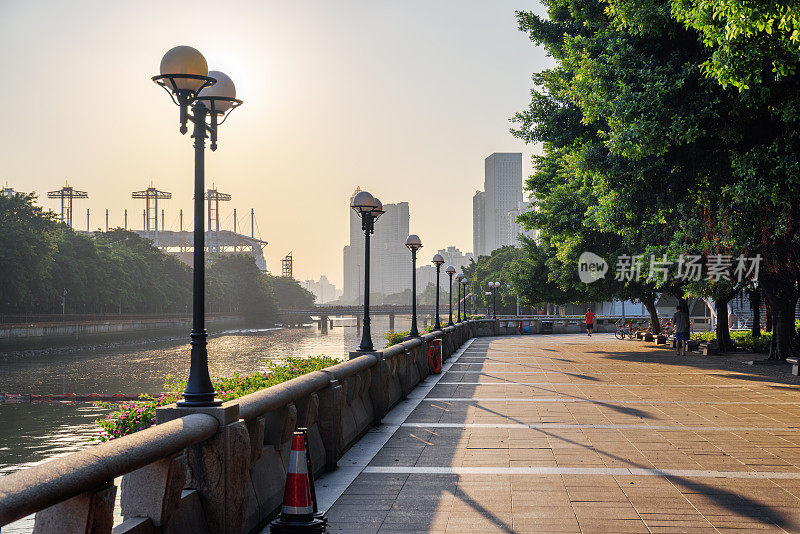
x=404, y=98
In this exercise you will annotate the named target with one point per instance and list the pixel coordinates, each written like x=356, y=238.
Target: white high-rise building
x=503, y=186
x=479, y=223
x=502, y=194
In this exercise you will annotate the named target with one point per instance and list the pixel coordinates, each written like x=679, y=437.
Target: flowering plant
x=131, y=416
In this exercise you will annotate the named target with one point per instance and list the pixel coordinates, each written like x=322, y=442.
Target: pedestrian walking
x=589, y=317
x=681, y=321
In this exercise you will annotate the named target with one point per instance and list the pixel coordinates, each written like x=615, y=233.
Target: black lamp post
x=494, y=286
x=438, y=261
x=212, y=96
x=369, y=209
x=464, y=296
x=459, y=277
x=450, y=272
x=413, y=243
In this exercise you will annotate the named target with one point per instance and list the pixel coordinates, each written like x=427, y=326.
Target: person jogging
x=589, y=317
x=681, y=322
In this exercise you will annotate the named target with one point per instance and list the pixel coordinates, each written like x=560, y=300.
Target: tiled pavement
x=568, y=433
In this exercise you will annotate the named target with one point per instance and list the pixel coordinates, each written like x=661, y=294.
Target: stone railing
x=543, y=324
x=223, y=469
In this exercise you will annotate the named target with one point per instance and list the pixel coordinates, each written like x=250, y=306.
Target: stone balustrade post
x=331, y=404
x=379, y=388
x=219, y=468
x=154, y=491
x=88, y=512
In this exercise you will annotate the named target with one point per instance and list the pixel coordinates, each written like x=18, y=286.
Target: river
x=34, y=432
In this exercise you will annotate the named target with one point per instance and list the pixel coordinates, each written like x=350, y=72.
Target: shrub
x=131, y=416
x=393, y=338
x=742, y=339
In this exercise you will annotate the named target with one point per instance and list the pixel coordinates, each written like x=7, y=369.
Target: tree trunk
x=723, y=332
x=783, y=330
x=768, y=311
x=650, y=304
x=755, y=305
x=781, y=297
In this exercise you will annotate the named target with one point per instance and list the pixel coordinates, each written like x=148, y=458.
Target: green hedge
x=132, y=416
x=744, y=340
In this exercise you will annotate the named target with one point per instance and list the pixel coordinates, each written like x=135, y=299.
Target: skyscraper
x=503, y=186
x=491, y=226
x=479, y=223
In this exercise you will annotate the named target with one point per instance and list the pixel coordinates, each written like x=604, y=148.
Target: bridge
x=323, y=313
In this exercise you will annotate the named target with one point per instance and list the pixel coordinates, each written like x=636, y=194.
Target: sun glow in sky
x=403, y=98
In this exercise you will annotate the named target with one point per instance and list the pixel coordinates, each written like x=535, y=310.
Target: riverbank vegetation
x=393, y=338
x=670, y=136
x=44, y=264
x=132, y=416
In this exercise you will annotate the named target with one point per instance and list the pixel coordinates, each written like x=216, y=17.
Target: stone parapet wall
x=224, y=469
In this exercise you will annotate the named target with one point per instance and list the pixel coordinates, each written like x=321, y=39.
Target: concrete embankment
x=37, y=335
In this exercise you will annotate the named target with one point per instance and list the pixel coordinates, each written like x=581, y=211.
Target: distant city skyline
x=404, y=99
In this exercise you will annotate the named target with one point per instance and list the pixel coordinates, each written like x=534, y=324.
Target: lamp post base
x=199, y=390
x=356, y=353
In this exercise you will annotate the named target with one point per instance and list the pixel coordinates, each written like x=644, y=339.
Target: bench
x=793, y=361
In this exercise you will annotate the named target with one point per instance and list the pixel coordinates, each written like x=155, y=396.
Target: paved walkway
x=567, y=433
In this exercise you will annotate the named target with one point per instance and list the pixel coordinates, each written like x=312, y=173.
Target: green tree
x=235, y=284
x=27, y=245
x=751, y=42
x=290, y=294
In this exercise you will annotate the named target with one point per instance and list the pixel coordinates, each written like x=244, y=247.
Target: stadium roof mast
x=214, y=197
x=287, y=264
x=67, y=194
x=151, y=208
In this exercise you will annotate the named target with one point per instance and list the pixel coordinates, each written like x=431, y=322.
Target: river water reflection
x=33, y=432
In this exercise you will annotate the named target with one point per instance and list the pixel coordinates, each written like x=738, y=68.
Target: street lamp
x=369, y=209
x=438, y=260
x=459, y=277
x=493, y=286
x=211, y=96
x=413, y=243
x=450, y=272
x=464, y=297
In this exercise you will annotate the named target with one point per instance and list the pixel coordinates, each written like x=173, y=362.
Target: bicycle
x=624, y=330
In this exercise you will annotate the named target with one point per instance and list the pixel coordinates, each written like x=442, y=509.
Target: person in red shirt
x=589, y=321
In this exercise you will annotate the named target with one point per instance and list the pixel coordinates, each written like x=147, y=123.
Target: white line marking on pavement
x=597, y=401
x=331, y=485
x=604, y=384
x=604, y=426
x=619, y=471
x=574, y=371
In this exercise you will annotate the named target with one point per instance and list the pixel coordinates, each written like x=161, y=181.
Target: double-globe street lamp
x=438, y=261
x=459, y=277
x=369, y=209
x=450, y=272
x=494, y=286
x=211, y=96
x=413, y=243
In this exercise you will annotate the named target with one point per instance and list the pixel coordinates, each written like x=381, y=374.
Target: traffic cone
x=317, y=514
x=297, y=514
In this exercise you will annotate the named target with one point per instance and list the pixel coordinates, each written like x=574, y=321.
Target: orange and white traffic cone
x=297, y=514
